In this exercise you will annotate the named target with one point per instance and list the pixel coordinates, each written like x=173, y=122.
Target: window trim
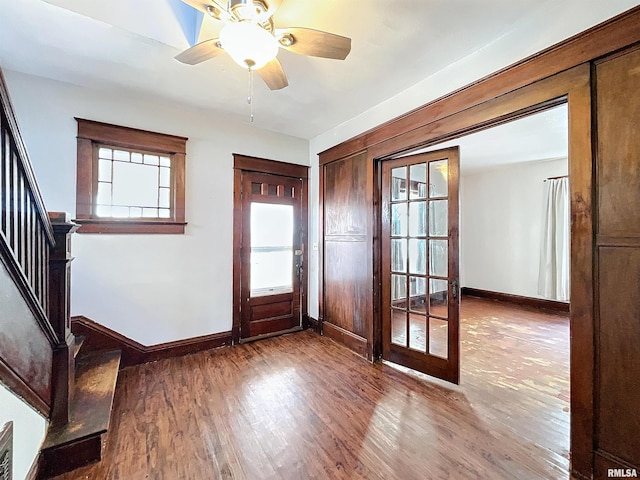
x=91, y=134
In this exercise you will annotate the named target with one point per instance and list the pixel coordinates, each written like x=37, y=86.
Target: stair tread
x=96, y=376
x=79, y=340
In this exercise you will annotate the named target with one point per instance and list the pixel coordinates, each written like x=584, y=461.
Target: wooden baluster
x=59, y=308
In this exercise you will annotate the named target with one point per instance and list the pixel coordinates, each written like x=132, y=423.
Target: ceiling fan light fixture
x=250, y=45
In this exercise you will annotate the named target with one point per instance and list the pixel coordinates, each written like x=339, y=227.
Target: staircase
x=84, y=379
x=79, y=441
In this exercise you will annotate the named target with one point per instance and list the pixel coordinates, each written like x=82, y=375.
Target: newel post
x=59, y=315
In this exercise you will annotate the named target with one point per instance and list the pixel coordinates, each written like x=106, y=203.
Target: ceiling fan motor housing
x=252, y=10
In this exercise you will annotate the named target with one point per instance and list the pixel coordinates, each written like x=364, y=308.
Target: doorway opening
x=270, y=232
x=514, y=359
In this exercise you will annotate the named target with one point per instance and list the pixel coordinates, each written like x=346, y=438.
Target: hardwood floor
x=301, y=406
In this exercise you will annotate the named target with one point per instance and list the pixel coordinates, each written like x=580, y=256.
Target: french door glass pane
x=417, y=256
x=418, y=332
x=438, y=213
x=399, y=219
x=438, y=178
x=399, y=327
x=399, y=255
x=417, y=219
x=418, y=176
x=399, y=183
x=438, y=337
x=438, y=258
x=438, y=300
x=271, y=249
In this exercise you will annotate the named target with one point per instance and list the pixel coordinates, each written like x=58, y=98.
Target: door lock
x=454, y=288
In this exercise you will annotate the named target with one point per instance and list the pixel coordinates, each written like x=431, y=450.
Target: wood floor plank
x=301, y=406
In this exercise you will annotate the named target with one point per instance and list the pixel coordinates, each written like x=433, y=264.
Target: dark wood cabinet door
x=420, y=279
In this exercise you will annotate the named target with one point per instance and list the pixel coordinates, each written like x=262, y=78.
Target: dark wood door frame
x=244, y=163
x=574, y=88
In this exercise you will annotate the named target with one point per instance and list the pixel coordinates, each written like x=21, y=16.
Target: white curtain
x=553, y=278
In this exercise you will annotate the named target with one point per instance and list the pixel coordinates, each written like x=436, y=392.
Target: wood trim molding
x=608, y=37
x=312, y=323
x=541, y=303
x=90, y=135
x=22, y=389
x=263, y=165
x=605, y=461
x=352, y=341
x=130, y=137
x=99, y=337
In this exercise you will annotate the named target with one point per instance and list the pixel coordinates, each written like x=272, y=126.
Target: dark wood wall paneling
x=618, y=252
x=605, y=426
x=26, y=236
x=346, y=251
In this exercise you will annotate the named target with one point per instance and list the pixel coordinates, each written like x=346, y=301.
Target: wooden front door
x=271, y=254
x=420, y=280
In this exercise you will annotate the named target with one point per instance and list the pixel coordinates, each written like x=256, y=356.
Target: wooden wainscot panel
x=345, y=199
x=618, y=335
x=618, y=385
x=618, y=84
x=347, y=208
x=25, y=352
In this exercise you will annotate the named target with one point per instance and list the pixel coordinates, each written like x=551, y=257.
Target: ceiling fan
x=250, y=38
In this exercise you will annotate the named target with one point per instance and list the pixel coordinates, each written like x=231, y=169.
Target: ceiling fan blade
x=200, y=52
x=314, y=43
x=271, y=9
x=273, y=75
x=210, y=7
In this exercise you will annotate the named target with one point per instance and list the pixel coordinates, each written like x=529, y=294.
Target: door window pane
x=399, y=183
x=418, y=332
x=438, y=258
x=438, y=178
x=438, y=218
x=438, y=302
x=418, y=294
x=399, y=220
x=418, y=176
x=399, y=327
x=438, y=337
x=271, y=249
x=417, y=219
x=417, y=256
x=399, y=291
x=399, y=255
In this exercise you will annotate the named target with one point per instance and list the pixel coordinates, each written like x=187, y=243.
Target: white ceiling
x=543, y=136
x=126, y=47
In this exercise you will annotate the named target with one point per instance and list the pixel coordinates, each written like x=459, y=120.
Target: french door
x=420, y=278
x=271, y=254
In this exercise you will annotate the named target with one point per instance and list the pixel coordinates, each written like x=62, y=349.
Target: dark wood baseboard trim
x=314, y=324
x=99, y=337
x=605, y=461
x=540, y=303
x=352, y=341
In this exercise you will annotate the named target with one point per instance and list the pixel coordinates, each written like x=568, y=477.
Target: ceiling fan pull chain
x=250, y=96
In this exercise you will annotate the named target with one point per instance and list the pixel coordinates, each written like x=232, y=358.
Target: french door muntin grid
x=107, y=158
x=431, y=229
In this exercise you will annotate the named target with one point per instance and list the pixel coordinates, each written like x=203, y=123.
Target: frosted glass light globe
x=250, y=45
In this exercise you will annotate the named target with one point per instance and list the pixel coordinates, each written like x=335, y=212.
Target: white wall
x=554, y=22
x=151, y=288
x=29, y=428
x=501, y=224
